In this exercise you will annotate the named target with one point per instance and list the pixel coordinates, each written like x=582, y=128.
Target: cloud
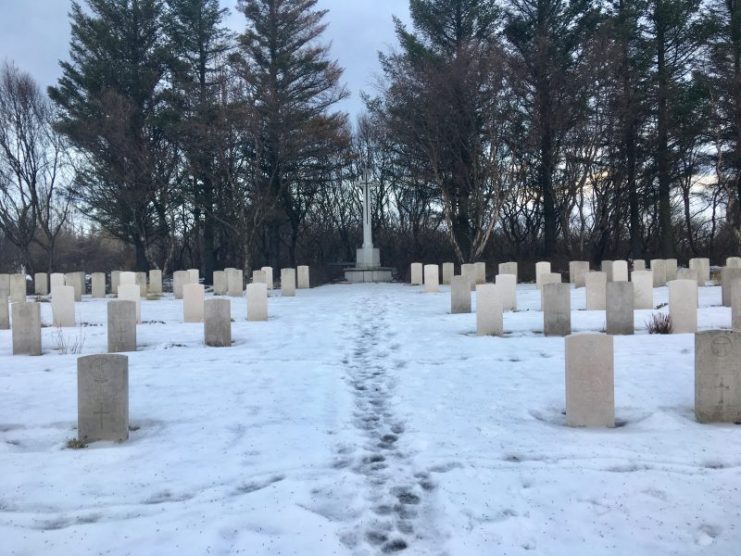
x=35, y=35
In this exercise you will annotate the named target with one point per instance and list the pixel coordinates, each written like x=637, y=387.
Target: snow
x=362, y=419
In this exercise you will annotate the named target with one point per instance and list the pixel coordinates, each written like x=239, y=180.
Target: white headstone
x=607, y=268
x=468, y=271
x=155, y=281
x=103, y=398
x=259, y=277
x=257, y=302
x=56, y=279
x=288, y=282
x=590, y=381
x=63, y=306
x=643, y=288
x=126, y=278
x=121, y=326
x=541, y=269
x=115, y=281
x=735, y=304
x=235, y=282
x=619, y=271
x=639, y=264
x=217, y=327
x=578, y=273
x=489, y=318
x=432, y=278
x=508, y=268
x=304, y=281
x=683, y=306
x=193, y=298
x=448, y=273
x=671, y=269
x=718, y=376
x=460, y=295
x=702, y=266
x=688, y=274
x=658, y=266
x=268, y=270
x=17, y=288
x=97, y=285
x=179, y=279
x=620, y=299
x=4, y=310
x=141, y=281
x=556, y=309
x=26, y=326
x=194, y=276
x=507, y=289
x=480, y=272
x=727, y=277
x=596, y=291
x=733, y=262
x=41, y=283
x=131, y=292
x=220, y=287
x=416, y=274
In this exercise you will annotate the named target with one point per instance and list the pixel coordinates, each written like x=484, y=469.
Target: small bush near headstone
x=659, y=324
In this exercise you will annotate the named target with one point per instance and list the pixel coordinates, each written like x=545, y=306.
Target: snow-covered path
x=365, y=420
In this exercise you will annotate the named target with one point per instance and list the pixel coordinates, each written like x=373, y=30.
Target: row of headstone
x=590, y=378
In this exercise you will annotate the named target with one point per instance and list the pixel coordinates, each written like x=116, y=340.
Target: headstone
x=259, y=277
x=56, y=279
x=121, y=326
x=727, y=277
x=507, y=290
x=448, y=273
x=639, y=264
x=643, y=289
x=683, y=306
x=127, y=278
x=607, y=268
x=155, y=281
x=194, y=276
x=141, y=281
x=735, y=304
x=489, y=318
x=77, y=281
x=416, y=274
x=193, y=298
x=480, y=272
x=41, y=283
x=304, y=281
x=468, y=271
x=550, y=278
x=4, y=311
x=687, y=274
x=733, y=262
x=217, y=324
x=658, y=266
x=288, y=282
x=578, y=273
x=63, y=306
x=541, y=269
x=619, y=271
x=220, y=287
x=508, y=268
x=718, y=376
x=268, y=270
x=590, y=381
x=596, y=291
x=26, y=325
x=5, y=283
x=620, y=299
x=432, y=278
x=179, y=279
x=130, y=292
x=103, y=398
x=257, y=302
x=460, y=295
x=235, y=282
x=556, y=309
x=115, y=281
x=97, y=283
x=17, y=288
x=671, y=269
x=702, y=266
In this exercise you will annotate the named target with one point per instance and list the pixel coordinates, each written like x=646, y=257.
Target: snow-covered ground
x=366, y=419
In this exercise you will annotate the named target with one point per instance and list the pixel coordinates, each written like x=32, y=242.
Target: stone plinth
x=596, y=291
x=121, y=326
x=41, y=283
x=448, y=273
x=643, y=288
x=369, y=275
x=620, y=299
x=103, y=398
x=26, y=326
x=718, y=376
x=193, y=298
x=217, y=327
x=556, y=309
x=683, y=306
x=578, y=273
x=131, y=292
x=288, y=282
x=489, y=318
x=460, y=295
x=304, y=277
x=416, y=274
x=432, y=278
x=63, y=306
x=507, y=290
x=590, y=381
x=97, y=285
x=257, y=302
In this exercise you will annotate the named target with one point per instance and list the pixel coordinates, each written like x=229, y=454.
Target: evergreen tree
x=110, y=103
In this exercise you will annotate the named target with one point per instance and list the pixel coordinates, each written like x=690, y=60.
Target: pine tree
x=110, y=101
x=294, y=86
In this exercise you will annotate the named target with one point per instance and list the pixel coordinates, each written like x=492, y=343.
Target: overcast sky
x=35, y=35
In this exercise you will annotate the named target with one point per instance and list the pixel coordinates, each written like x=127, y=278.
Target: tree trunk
x=662, y=148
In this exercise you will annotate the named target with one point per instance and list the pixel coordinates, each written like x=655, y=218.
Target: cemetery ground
x=366, y=419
